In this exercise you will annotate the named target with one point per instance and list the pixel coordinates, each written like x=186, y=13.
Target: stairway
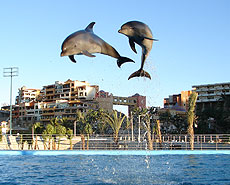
x=3, y=143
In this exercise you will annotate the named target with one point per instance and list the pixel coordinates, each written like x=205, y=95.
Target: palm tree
x=80, y=119
x=191, y=117
x=44, y=136
x=147, y=116
x=88, y=130
x=159, y=131
x=55, y=128
x=37, y=130
x=100, y=125
x=115, y=121
x=49, y=131
x=69, y=133
x=0, y=133
x=60, y=131
x=147, y=125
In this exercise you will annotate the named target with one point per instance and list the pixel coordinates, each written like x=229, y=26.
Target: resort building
x=27, y=95
x=63, y=100
x=105, y=101
x=178, y=102
x=69, y=90
x=135, y=101
x=210, y=94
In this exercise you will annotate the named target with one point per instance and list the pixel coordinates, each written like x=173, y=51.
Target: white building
x=26, y=95
x=210, y=94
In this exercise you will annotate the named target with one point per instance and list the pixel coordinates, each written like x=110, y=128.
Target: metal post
x=75, y=125
x=201, y=142
x=132, y=125
x=10, y=104
x=139, y=129
x=10, y=72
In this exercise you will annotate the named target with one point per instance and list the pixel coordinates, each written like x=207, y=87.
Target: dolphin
x=139, y=33
x=85, y=42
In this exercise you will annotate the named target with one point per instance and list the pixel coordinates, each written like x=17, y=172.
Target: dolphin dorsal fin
x=90, y=27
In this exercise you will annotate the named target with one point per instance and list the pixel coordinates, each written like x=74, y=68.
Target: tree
x=53, y=129
x=180, y=122
x=37, y=129
x=190, y=118
x=44, y=136
x=66, y=123
x=49, y=131
x=148, y=129
x=81, y=121
x=115, y=121
x=60, y=131
x=88, y=130
x=69, y=133
x=166, y=118
x=152, y=125
x=0, y=133
x=95, y=118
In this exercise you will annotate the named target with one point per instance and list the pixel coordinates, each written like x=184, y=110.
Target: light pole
x=10, y=72
x=139, y=128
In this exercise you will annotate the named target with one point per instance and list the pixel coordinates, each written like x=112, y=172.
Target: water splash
x=147, y=161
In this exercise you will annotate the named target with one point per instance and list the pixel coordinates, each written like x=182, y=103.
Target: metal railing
x=106, y=142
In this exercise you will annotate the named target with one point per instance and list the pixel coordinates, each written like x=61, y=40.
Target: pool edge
x=114, y=152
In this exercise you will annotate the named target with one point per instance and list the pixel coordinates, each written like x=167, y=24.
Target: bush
x=0, y=133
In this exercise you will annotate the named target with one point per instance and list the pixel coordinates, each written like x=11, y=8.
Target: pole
x=75, y=124
x=132, y=125
x=11, y=105
x=139, y=129
x=10, y=72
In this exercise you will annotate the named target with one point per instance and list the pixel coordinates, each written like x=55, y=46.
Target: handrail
x=107, y=142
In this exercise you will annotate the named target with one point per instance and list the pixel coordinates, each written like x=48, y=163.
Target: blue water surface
x=115, y=169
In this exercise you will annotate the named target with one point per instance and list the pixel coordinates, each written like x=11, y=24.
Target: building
x=105, y=101
x=178, y=101
x=63, y=100
x=27, y=95
x=135, y=101
x=210, y=94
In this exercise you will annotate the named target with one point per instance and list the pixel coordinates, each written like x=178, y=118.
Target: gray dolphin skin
x=85, y=42
x=139, y=33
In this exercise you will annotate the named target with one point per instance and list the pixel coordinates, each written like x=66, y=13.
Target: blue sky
x=193, y=45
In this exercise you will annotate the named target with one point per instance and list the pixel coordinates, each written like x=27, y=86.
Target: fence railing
x=106, y=142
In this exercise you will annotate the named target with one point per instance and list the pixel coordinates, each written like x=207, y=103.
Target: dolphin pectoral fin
x=86, y=53
x=132, y=45
x=140, y=73
x=71, y=57
x=122, y=60
x=150, y=38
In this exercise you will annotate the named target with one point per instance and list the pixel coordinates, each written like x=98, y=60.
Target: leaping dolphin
x=86, y=42
x=139, y=33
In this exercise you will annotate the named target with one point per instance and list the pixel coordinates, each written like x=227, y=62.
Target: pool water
x=115, y=169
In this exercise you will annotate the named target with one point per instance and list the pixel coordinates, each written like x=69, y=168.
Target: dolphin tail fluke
x=140, y=73
x=122, y=60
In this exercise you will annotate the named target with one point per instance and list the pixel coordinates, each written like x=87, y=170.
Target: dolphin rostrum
x=86, y=42
x=139, y=33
